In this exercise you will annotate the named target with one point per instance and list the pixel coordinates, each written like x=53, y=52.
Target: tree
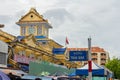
x=114, y=66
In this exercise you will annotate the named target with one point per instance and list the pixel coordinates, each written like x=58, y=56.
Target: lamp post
x=89, y=60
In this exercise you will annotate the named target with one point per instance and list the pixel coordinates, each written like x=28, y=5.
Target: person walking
x=38, y=79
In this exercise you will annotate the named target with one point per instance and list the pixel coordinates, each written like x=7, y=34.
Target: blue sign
x=78, y=56
x=58, y=50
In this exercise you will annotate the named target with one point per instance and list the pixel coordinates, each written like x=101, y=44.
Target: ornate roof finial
x=33, y=9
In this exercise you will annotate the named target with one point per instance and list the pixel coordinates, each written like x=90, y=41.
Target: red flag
x=67, y=42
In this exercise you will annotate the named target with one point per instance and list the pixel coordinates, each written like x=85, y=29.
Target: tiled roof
x=93, y=49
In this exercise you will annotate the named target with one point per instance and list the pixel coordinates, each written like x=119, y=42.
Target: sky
x=75, y=19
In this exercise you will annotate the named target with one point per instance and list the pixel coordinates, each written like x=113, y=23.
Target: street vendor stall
x=97, y=71
x=3, y=76
x=14, y=72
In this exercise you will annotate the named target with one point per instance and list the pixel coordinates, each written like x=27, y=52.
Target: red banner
x=90, y=66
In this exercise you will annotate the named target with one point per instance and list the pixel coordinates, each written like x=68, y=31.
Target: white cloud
x=77, y=19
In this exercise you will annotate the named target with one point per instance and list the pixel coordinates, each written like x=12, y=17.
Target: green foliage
x=114, y=66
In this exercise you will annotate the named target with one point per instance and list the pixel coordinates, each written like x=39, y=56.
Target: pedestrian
x=18, y=78
x=38, y=79
x=52, y=78
x=11, y=76
x=0, y=78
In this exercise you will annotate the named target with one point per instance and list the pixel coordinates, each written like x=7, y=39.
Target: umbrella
x=14, y=72
x=59, y=73
x=29, y=77
x=32, y=77
x=72, y=74
x=3, y=76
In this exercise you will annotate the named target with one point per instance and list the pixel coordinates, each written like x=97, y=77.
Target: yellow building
x=34, y=23
x=34, y=43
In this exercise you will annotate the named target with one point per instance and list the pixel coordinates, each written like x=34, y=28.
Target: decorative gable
x=30, y=40
x=32, y=16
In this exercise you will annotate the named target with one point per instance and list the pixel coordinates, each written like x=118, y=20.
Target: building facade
x=34, y=43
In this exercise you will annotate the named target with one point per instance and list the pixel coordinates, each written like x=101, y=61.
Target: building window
x=39, y=59
x=94, y=54
x=31, y=16
x=3, y=58
x=94, y=58
x=102, y=63
x=39, y=30
x=103, y=54
x=23, y=30
x=46, y=32
x=32, y=55
x=43, y=43
x=22, y=53
x=103, y=59
x=31, y=29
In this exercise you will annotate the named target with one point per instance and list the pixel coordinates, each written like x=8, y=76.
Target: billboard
x=58, y=50
x=78, y=55
x=23, y=59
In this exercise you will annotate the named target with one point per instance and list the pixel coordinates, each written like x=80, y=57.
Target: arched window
x=23, y=30
x=39, y=30
x=31, y=29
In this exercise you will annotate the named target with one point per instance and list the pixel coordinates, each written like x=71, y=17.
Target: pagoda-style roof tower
x=34, y=43
x=34, y=23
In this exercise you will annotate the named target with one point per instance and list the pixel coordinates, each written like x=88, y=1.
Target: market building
x=34, y=52
x=34, y=43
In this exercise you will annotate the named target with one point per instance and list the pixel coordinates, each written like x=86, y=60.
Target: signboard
x=78, y=55
x=58, y=50
x=23, y=59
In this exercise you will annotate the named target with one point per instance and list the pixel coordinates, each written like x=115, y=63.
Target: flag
x=66, y=42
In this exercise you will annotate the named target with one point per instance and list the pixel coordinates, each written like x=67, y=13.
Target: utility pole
x=89, y=60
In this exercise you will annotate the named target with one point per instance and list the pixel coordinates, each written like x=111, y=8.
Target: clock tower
x=34, y=23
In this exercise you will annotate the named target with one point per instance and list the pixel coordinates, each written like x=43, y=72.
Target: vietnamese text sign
x=78, y=56
x=23, y=59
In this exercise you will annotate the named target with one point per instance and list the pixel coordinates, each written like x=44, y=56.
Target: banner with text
x=78, y=55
